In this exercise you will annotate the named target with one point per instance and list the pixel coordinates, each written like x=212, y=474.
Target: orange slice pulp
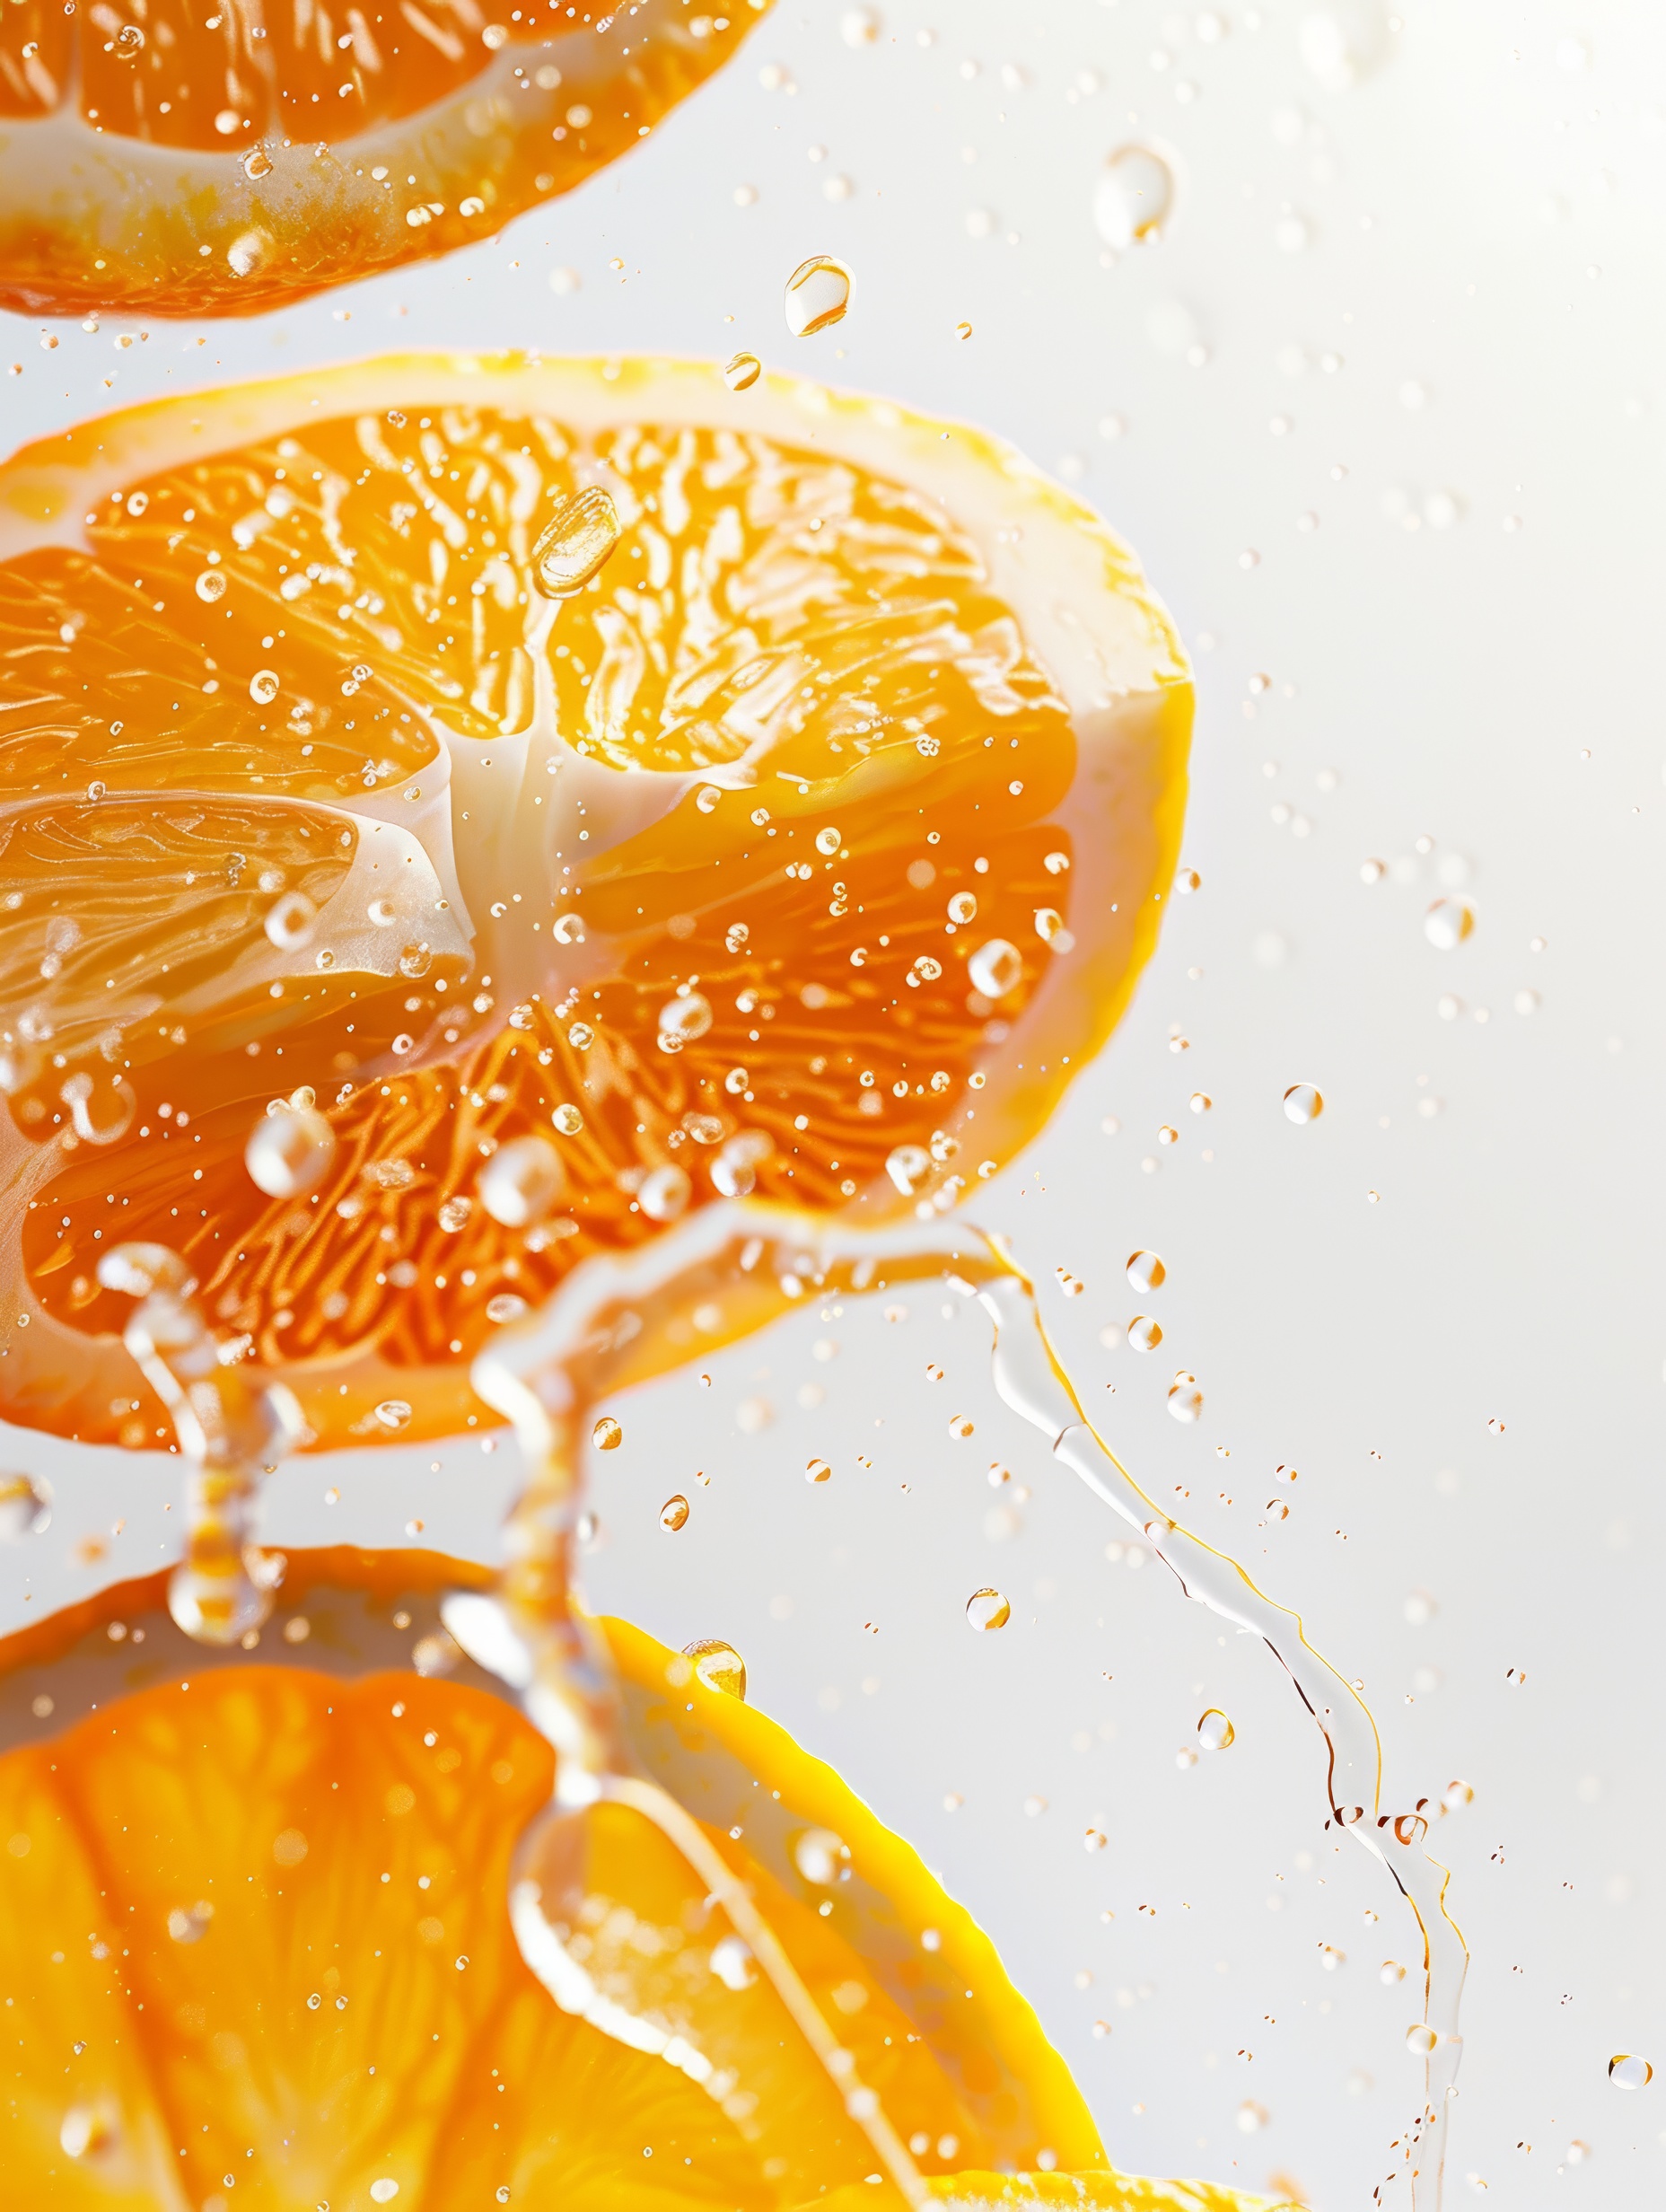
x=254, y=1937
x=809, y=847
x=161, y=157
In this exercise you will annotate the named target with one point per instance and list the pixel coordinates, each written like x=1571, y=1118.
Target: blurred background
x=1382, y=409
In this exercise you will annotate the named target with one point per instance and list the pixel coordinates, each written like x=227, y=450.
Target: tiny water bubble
x=210, y=585
x=1134, y=197
x=1303, y=1102
x=995, y=968
x=289, y=1152
x=263, y=685
x=987, y=1609
x=817, y=1470
x=674, y=1514
x=1215, y=1731
x=1448, y=922
x=1145, y=1271
x=817, y=295
x=522, y=1181
x=1390, y=1972
x=576, y=542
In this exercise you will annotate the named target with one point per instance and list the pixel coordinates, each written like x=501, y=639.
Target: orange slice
x=808, y=847
x=166, y=159
x=254, y=1925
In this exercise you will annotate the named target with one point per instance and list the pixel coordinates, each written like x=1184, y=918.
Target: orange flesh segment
x=760, y=596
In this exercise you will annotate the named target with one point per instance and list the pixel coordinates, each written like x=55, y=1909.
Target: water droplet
x=1200, y=1101
x=414, y=962
x=663, y=1195
x=961, y=1427
x=211, y=586
x=682, y=1019
x=908, y=1166
x=1251, y=2117
x=393, y=1414
x=743, y=371
x=817, y=295
x=859, y=26
x=522, y=1181
x=719, y=1666
x=575, y=542
x=1447, y=923
x=289, y=1152
x=129, y=43
x=962, y=907
x=1147, y=1272
x=1303, y=1103
x=504, y=1306
x=1134, y=200
x=1390, y=1972
x=568, y=1121
x=1421, y=2040
x=454, y=1212
x=607, y=1434
x=1457, y=1793
x=828, y=841
x=85, y=2131
x=1185, y=1399
x=263, y=685
x=25, y=1506
x=189, y=1926
x=674, y=1514
x=995, y=969
x=1343, y=41
x=1277, y=1510
x=247, y=253
x=382, y=912
x=731, y=1960
x=257, y=163
x=384, y=2189
x=1188, y=881
x=987, y=1609
x=820, y=1856
x=1144, y=1333
x=1627, y=2071
x=1215, y=1731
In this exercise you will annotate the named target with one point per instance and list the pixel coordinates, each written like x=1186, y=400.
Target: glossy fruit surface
x=215, y=157
x=463, y=815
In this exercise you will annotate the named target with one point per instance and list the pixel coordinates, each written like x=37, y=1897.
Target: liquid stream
x=614, y=1320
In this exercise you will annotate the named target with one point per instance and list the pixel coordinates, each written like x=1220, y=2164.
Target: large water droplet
x=987, y=1609
x=263, y=685
x=1146, y=1271
x=1627, y=2071
x=575, y=542
x=607, y=1434
x=1447, y=923
x=1135, y=198
x=1215, y=1731
x=289, y=1152
x=25, y=1506
x=719, y=1666
x=522, y=1181
x=1144, y=1333
x=1303, y=1103
x=995, y=969
x=743, y=371
x=1421, y=2040
x=674, y=1514
x=817, y=295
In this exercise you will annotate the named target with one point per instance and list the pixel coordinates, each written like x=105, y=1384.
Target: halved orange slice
x=459, y=815
x=167, y=158
x=256, y=1949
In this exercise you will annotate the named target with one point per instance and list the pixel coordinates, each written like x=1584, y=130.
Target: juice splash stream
x=1031, y=1381
x=231, y=1435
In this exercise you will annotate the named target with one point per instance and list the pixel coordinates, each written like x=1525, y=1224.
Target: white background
x=1461, y=642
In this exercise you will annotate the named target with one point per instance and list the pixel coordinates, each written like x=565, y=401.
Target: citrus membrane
x=460, y=815
x=167, y=159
